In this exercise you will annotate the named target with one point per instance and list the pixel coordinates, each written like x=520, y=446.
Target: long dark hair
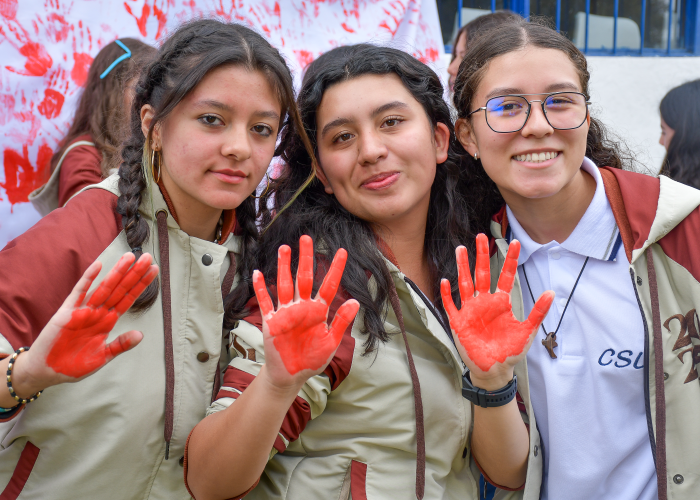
x=680, y=109
x=100, y=111
x=452, y=214
x=514, y=35
x=185, y=58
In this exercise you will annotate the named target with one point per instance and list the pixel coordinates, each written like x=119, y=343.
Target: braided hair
x=183, y=60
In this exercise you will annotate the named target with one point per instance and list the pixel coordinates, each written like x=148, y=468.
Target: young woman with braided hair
x=204, y=125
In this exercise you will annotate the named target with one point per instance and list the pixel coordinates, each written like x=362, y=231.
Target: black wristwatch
x=489, y=399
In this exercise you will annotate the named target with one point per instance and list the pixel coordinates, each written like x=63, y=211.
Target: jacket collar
x=645, y=208
x=596, y=234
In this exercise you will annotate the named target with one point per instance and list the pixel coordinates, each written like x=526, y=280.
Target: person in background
x=469, y=31
x=90, y=150
x=680, y=133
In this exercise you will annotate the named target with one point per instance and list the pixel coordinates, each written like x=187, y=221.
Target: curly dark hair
x=186, y=57
x=515, y=34
x=454, y=213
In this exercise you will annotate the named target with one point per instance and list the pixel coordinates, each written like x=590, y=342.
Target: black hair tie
x=136, y=249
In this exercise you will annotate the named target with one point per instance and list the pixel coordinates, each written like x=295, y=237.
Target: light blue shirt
x=589, y=402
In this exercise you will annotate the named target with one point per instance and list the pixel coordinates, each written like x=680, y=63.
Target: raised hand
x=73, y=343
x=297, y=334
x=488, y=332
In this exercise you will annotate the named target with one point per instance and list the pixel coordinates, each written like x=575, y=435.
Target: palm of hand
x=488, y=331
x=298, y=328
x=301, y=336
x=485, y=326
x=79, y=347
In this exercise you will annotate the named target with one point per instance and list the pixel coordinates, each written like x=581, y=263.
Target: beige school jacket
x=103, y=437
x=659, y=222
x=351, y=432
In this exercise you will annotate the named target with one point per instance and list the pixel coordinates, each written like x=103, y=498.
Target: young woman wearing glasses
x=613, y=374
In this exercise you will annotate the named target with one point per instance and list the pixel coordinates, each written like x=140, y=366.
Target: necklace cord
x=567, y=301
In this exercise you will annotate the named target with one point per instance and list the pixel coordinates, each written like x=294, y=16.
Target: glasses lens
x=506, y=113
x=566, y=110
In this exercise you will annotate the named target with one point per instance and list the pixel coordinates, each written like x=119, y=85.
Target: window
x=597, y=27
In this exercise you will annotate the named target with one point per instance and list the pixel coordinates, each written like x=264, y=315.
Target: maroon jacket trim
x=294, y=421
x=634, y=200
x=24, y=467
x=358, y=480
x=658, y=379
x=640, y=197
x=81, y=167
x=39, y=269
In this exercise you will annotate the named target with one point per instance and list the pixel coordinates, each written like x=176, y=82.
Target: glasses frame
x=529, y=109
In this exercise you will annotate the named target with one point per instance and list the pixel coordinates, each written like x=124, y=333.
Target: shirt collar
x=596, y=234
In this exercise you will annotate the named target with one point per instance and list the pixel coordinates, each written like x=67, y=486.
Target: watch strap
x=489, y=399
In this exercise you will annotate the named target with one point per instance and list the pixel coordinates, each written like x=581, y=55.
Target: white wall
x=626, y=92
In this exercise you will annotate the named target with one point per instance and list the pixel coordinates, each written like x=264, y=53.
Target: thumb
x=447, y=302
x=343, y=317
x=123, y=343
x=540, y=310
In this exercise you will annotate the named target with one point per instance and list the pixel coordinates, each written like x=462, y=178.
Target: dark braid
x=185, y=58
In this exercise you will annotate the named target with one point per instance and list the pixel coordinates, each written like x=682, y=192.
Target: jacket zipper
x=647, y=404
x=431, y=307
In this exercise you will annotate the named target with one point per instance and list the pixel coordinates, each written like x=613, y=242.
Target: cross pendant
x=550, y=343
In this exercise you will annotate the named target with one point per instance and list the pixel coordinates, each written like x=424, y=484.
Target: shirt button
x=665, y=376
x=556, y=255
x=678, y=479
x=182, y=461
x=203, y=357
x=207, y=259
x=562, y=302
x=537, y=449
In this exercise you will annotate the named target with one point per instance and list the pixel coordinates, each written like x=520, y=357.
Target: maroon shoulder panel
x=39, y=269
x=640, y=196
x=679, y=244
x=81, y=167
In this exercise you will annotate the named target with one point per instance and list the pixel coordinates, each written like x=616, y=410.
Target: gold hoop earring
x=267, y=186
x=153, y=167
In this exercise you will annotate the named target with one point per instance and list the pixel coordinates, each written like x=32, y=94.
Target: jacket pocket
x=22, y=471
x=354, y=484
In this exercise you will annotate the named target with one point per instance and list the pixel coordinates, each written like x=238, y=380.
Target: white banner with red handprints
x=46, y=47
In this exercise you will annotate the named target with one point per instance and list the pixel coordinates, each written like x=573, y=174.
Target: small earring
x=476, y=156
x=267, y=186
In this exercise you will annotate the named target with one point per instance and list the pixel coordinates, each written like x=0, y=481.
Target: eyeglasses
x=509, y=113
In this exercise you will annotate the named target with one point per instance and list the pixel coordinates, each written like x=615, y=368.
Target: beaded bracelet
x=10, y=366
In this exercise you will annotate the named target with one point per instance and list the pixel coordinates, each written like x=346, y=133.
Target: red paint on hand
x=298, y=327
x=80, y=347
x=485, y=325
